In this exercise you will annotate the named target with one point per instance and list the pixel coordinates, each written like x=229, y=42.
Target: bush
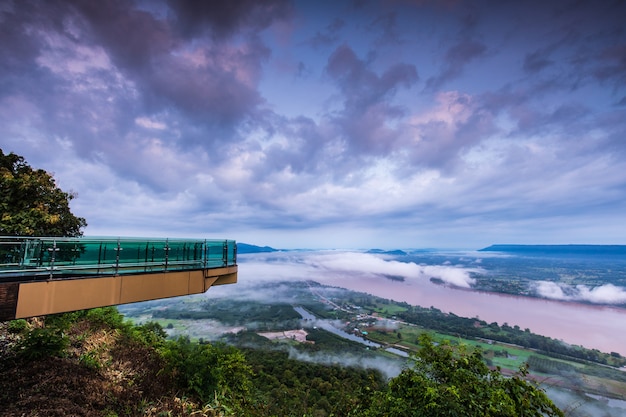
x=205, y=371
x=449, y=382
x=150, y=334
x=39, y=343
x=17, y=326
x=107, y=316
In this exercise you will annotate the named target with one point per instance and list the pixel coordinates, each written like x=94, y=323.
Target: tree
x=31, y=204
x=449, y=382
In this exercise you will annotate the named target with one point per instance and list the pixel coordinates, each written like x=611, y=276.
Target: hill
x=247, y=248
x=547, y=250
x=86, y=366
x=92, y=363
x=395, y=252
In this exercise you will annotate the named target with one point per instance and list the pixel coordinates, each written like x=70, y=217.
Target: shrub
x=39, y=343
x=17, y=326
x=446, y=382
x=206, y=370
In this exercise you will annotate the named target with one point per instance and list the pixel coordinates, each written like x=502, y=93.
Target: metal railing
x=58, y=257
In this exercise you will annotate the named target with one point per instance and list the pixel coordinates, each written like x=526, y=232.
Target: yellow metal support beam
x=57, y=296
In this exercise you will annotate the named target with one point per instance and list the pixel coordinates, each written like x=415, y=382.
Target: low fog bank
x=604, y=294
x=329, y=265
x=580, y=405
x=388, y=367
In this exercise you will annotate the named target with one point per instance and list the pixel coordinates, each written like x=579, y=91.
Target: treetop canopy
x=31, y=204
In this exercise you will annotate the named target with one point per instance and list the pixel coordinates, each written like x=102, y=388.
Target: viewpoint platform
x=48, y=275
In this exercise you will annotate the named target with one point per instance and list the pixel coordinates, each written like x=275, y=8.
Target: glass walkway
x=48, y=275
x=23, y=258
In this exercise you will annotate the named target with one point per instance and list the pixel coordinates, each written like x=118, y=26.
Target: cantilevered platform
x=40, y=276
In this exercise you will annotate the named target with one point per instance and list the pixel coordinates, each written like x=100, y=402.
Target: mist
x=389, y=368
x=580, y=405
x=325, y=266
x=603, y=294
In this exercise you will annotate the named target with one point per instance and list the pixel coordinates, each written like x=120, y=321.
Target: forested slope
x=93, y=363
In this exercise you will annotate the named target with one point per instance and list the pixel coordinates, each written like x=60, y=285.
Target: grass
x=388, y=309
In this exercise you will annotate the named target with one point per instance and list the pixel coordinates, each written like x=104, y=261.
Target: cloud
x=363, y=122
x=456, y=58
x=388, y=367
x=440, y=136
x=603, y=294
x=386, y=24
x=226, y=19
x=537, y=61
x=330, y=34
x=196, y=110
x=329, y=265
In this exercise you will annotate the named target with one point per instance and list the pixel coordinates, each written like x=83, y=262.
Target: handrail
x=65, y=257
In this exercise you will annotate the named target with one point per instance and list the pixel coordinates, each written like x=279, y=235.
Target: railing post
x=167, y=251
x=53, y=251
x=24, y=251
x=145, y=268
x=225, y=253
x=117, y=256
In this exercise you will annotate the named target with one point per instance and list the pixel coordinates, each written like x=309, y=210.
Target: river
x=598, y=327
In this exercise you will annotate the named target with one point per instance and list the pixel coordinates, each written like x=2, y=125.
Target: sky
x=343, y=124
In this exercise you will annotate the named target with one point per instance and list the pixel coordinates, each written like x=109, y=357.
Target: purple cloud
x=276, y=117
x=366, y=100
x=455, y=60
x=223, y=19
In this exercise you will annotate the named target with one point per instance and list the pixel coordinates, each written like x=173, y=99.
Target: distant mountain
x=600, y=250
x=246, y=248
x=387, y=252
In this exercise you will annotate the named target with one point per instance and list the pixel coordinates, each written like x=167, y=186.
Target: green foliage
x=31, y=204
x=204, y=370
x=49, y=340
x=545, y=365
x=17, y=326
x=151, y=334
x=42, y=342
x=448, y=382
x=63, y=321
x=289, y=387
x=444, y=381
x=90, y=360
x=267, y=316
x=107, y=316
